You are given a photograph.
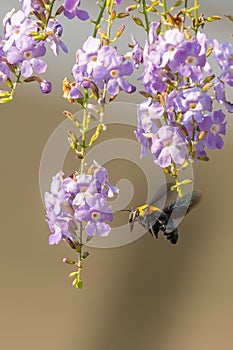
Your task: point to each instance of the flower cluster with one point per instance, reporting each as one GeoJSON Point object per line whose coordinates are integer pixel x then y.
{"type": "Point", "coordinates": [177, 121]}
{"type": "Point", "coordinates": [80, 198]}
{"type": "Point", "coordinates": [99, 65]}
{"type": "Point", "coordinates": [26, 33]}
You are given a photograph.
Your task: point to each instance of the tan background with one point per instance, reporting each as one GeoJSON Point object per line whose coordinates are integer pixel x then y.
{"type": "Point", "coordinates": [147, 295]}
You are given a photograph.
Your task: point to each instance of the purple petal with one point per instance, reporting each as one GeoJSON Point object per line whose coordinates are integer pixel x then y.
{"type": "Point", "coordinates": [38, 65]}
{"type": "Point", "coordinates": [91, 228]}
{"type": "Point", "coordinates": [26, 69]}
{"type": "Point", "coordinates": [82, 15]}
{"type": "Point", "coordinates": [103, 229]}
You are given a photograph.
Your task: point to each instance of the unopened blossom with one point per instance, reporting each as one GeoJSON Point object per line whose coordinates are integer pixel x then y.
{"type": "Point", "coordinates": [45, 86]}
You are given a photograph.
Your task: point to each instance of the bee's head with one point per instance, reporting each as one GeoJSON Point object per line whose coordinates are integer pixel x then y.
{"type": "Point", "coordinates": [133, 216]}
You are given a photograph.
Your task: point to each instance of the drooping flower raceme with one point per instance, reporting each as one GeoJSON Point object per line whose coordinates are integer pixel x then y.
{"type": "Point", "coordinates": [101, 65]}
{"type": "Point", "coordinates": [177, 121]}
{"type": "Point", "coordinates": [80, 198]}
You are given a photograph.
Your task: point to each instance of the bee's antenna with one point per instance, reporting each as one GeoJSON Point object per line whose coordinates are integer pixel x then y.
{"type": "Point", "coordinates": [128, 210]}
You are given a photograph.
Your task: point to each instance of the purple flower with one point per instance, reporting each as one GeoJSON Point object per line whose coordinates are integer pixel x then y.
{"type": "Point", "coordinates": [118, 2]}
{"type": "Point", "coordinates": [101, 65]}
{"type": "Point", "coordinates": [71, 10]}
{"type": "Point", "coordinates": [192, 103]}
{"type": "Point", "coordinates": [79, 198]}
{"type": "Point", "coordinates": [224, 56]}
{"type": "Point", "coordinates": [149, 120]}
{"type": "Point", "coordinates": [214, 126]}
{"type": "Point", "coordinates": [168, 146]}
{"type": "Point", "coordinates": [220, 95]}
{"type": "Point", "coordinates": [28, 4]}
{"type": "Point", "coordinates": [136, 54]}
{"type": "Point", "coordinates": [54, 32]}
{"type": "Point", "coordinates": [28, 52]}
{"type": "Point", "coordinates": [16, 25]}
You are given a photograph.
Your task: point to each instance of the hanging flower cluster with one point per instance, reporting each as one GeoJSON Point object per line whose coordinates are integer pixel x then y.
{"type": "Point", "coordinates": [26, 35]}
{"type": "Point", "coordinates": [183, 114]}
{"type": "Point", "coordinates": [79, 199]}
{"type": "Point", "coordinates": [179, 119]}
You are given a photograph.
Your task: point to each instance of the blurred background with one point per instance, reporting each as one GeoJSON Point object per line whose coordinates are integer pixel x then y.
{"type": "Point", "coordinates": [145, 295]}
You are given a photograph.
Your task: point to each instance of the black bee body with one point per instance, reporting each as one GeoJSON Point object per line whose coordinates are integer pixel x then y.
{"type": "Point", "coordinates": [155, 219]}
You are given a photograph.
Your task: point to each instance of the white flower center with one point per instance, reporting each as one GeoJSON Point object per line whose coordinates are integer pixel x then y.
{"type": "Point", "coordinates": [214, 128]}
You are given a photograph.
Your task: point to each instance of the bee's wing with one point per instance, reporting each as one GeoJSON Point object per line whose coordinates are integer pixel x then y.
{"type": "Point", "coordinates": [183, 205]}
{"type": "Point", "coordinates": [163, 195]}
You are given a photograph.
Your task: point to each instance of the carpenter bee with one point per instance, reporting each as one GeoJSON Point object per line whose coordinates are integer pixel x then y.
{"type": "Point", "coordinates": [155, 219]}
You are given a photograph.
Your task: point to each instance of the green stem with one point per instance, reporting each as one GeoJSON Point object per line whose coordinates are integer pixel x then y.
{"type": "Point", "coordinates": [84, 130]}
{"type": "Point", "coordinates": [146, 15]}
{"type": "Point", "coordinates": [196, 16]}
{"type": "Point", "coordinates": [50, 11]}
{"type": "Point", "coordinates": [185, 8]}
{"type": "Point", "coordinates": [99, 18]}
{"type": "Point", "coordinates": [165, 13]}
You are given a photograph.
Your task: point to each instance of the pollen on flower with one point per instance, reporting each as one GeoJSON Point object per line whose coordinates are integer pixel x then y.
{"type": "Point", "coordinates": [114, 73]}
{"type": "Point", "coordinates": [28, 54]}
{"type": "Point", "coordinates": [192, 105]}
{"type": "Point", "coordinates": [190, 60]}
{"type": "Point", "coordinates": [214, 128]}
{"type": "Point", "coordinates": [95, 215]}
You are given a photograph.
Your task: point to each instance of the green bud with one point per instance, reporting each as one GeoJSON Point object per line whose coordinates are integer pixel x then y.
{"type": "Point", "coordinates": [178, 3]}
{"type": "Point", "coordinates": [186, 182]}
{"type": "Point", "coordinates": [122, 15]}
{"type": "Point", "coordinates": [132, 7]}
{"type": "Point", "coordinates": [85, 255]}
{"type": "Point", "coordinates": [113, 15]}
{"type": "Point", "coordinates": [59, 10]}
{"type": "Point", "coordinates": [138, 21]}
{"type": "Point", "coordinates": [230, 17]}
{"type": "Point", "coordinates": [73, 274]}
{"type": "Point", "coordinates": [213, 18]}
{"type": "Point", "coordinates": [120, 31]}
{"type": "Point", "coordinates": [68, 261]}
{"type": "Point", "coordinates": [6, 99]}
{"type": "Point", "coordinates": [204, 158]}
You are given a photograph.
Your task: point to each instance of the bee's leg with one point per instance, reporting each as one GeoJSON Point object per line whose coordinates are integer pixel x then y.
{"type": "Point", "coordinates": [172, 236]}
{"type": "Point", "coordinates": [153, 231]}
